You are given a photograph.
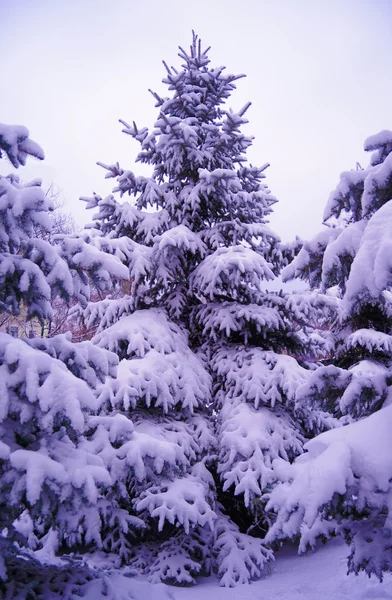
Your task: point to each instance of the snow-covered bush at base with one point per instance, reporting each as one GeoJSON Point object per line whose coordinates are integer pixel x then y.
{"type": "Point", "coordinates": [345, 478]}
{"type": "Point", "coordinates": [71, 577]}
{"type": "Point", "coordinates": [179, 560]}
{"type": "Point", "coordinates": [236, 557]}
{"type": "Point", "coordinates": [239, 557]}
{"type": "Point", "coordinates": [184, 556]}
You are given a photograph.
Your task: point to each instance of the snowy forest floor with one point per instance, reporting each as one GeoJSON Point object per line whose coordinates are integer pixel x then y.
{"type": "Point", "coordinates": [317, 576]}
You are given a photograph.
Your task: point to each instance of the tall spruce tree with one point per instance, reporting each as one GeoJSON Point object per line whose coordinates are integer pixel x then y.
{"type": "Point", "coordinates": [205, 373]}
{"type": "Point", "coordinates": [344, 485]}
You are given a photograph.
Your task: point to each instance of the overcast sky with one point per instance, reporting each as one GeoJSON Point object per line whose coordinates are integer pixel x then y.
{"type": "Point", "coordinates": [318, 72]}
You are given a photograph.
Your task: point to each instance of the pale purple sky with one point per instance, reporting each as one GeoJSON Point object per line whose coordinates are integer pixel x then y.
{"type": "Point", "coordinates": [319, 77]}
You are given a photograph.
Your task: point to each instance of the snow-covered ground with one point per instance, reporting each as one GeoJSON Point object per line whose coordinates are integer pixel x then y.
{"type": "Point", "coordinates": [317, 576]}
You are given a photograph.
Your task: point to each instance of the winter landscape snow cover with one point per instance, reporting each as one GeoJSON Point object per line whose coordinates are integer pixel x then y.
{"type": "Point", "coordinates": [318, 576]}
{"type": "Point", "coordinates": [192, 424]}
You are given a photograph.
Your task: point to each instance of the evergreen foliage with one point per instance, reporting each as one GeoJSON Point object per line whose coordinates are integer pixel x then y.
{"type": "Point", "coordinates": [204, 375]}
{"type": "Point", "coordinates": [351, 256]}
{"type": "Point", "coordinates": [51, 481]}
{"type": "Point", "coordinates": [343, 485]}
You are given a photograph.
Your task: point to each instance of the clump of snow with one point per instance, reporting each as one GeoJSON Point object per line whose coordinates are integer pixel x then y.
{"type": "Point", "coordinates": [180, 502]}
{"type": "Point", "coordinates": [17, 145]}
{"type": "Point", "coordinates": [381, 144]}
{"type": "Point", "coordinates": [259, 377]}
{"type": "Point", "coordinates": [371, 271]}
{"type": "Point", "coordinates": [158, 367]}
{"type": "Point", "coordinates": [223, 271]}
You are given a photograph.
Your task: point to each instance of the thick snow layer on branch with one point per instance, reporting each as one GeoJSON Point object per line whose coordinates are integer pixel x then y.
{"type": "Point", "coordinates": [307, 264]}
{"type": "Point", "coordinates": [82, 256]}
{"type": "Point", "coordinates": [381, 143]}
{"type": "Point", "coordinates": [371, 271]}
{"type": "Point", "coordinates": [126, 220]}
{"type": "Point", "coordinates": [20, 277]}
{"type": "Point", "coordinates": [144, 330]}
{"type": "Point", "coordinates": [30, 378]}
{"type": "Point", "coordinates": [152, 447]}
{"type": "Point", "coordinates": [313, 308]}
{"type": "Point", "coordinates": [224, 318]}
{"type": "Point", "coordinates": [250, 441]}
{"type": "Point", "coordinates": [161, 380]}
{"type": "Point", "coordinates": [16, 143]}
{"type": "Point", "coordinates": [334, 458]}
{"type": "Point", "coordinates": [227, 269]}
{"type": "Point", "coordinates": [340, 252]}
{"type": "Point", "coordinates": [258, 377]}
{"type": "Point", "coordinates": [180, 237]}
{"type": "Point", "coordinates": [38, 467]}
{"type": "Point", "coordinates": [158, 367]}
{"type": "Point", "coordinates": [182, 501]}
{"type": "Point", "coordinates": [367, 443]}
{"type": "Point", "coordinates": [22, 206]}
{"type": "Point", "coordinates": [149, 445]}
{"type": "Point", "coordinates": [357, 391]}
{"type": "Point", "coordinates": [377, 189]}
{"type": "Point", "coordinates": [84, 359]}
{"type": "Point", "coordinates": [346, 198]}
{"type": "Point", "coordinates": [373, 142]}
{"type": "Point", "coordinates": [371, 340]}
{"type": "Point", "coordinates": [137, 257]}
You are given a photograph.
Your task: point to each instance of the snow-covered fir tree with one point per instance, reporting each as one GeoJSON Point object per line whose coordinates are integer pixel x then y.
{"type": "Point", "coordinates": [349, 257]}
{"type": "Point", "coordinates": [344, 483]}
{"type": "Point", "coordinates": [54, 489]}
{"type": "Point", "coordinates": [205, 373]}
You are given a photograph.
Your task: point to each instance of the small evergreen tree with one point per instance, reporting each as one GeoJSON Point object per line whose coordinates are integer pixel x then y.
{"type": "Point", "coordinates": [345, 485]}
{"type": "Point", "coordinates": [203, 345]}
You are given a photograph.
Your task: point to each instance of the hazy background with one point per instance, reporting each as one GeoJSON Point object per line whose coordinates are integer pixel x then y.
{"type": "Point", "coordinates": [318, 74]}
